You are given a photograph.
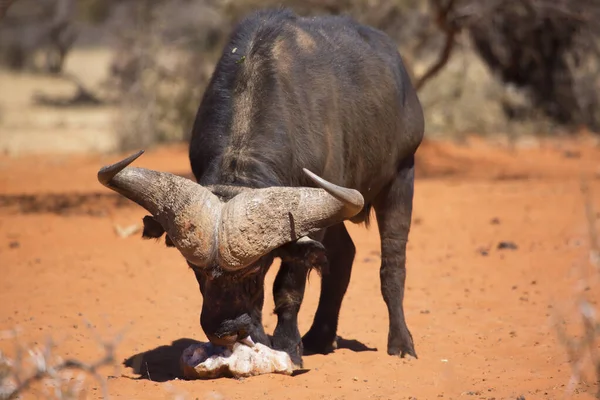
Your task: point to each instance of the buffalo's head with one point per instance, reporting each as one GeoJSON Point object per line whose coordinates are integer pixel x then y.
{"type": "Point", "coordinates": [230, 241]}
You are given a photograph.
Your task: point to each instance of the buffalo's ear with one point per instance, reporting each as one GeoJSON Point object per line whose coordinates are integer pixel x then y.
{"type": "Point", "coordinates": [152, 228]}
{"type": "Point", "coordinates": [168, 241]}
{"type": "Point", "coordinates": [306, 251]}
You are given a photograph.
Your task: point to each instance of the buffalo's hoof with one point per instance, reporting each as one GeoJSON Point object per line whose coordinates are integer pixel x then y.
{"type": "Point", "coordinates": [318, 344]}
{"type": "Point", "coordinates": [296, 357]}
{"type": "Point", "coordinates": [402, 346]}
{"type": "Point", "coordinates": [293, 350]}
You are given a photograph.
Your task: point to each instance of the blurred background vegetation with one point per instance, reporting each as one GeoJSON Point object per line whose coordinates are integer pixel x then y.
{"type": "Point", "coordinates": [508, 67]}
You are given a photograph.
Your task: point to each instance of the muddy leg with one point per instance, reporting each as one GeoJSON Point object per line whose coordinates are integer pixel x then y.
{"type": "Point", "coordinates": [393, 209]}
{"type": "Point", "coordinates": [340, 254]}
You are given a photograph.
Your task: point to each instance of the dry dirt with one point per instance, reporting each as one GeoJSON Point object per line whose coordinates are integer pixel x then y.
{"type": "Point", "coordinates": [481, 317]}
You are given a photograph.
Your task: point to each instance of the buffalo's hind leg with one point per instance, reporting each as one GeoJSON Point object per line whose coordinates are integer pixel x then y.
{"type": "Point", "coordinates": [340, 253]}
{"type": "Point", "coordinates": [393, 209]}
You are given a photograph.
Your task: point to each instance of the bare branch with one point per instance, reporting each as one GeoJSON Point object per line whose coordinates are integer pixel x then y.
{"type": "Point", "coordinates": [451, 29]}
{"type": "Point", "coordinates": [91, 369]}
{"type": "Point", "coordinates": [590, 217]}
{"type": "Point", "coordinates": [584, 349]}
{"type": "Point", "coordinates": [443, 59]}
{"type": "Point", "coordinates": [4, 6]}
{"type": "Point", "coordinates": [44, 369]}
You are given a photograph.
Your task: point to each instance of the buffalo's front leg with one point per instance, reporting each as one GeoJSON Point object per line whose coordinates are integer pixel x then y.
{"type": "Point", "coordinates": [288, 292]}
{"type": "Point", "coordinates": [393, 209]}
{"type": "Point", "coordinates": [321, 337]}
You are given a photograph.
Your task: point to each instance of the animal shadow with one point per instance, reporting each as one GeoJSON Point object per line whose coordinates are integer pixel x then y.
{"type": "Point", "coordinates": [160, 364]}
{"type": "Point", "coordinates": [94, 204]}
{"type": "Point", "coordinates": [347, 344]}
{"type": "Point", "coordinates": [353, 345]}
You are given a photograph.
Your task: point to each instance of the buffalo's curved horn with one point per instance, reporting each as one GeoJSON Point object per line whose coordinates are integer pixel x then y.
{"type": "Point", "coordinates": [351, 199]}
{"type": "Point", "coordinates": [258, 221]}
{"type": "Point", "coordinates": [187, 211]}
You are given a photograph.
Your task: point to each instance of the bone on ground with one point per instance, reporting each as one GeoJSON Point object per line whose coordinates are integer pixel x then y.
{"type": "Point", "coordinates": [206, 361]}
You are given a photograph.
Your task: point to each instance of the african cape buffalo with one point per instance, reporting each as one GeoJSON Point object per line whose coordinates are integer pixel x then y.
{"type": "Point", "coordinates": [307, 122]}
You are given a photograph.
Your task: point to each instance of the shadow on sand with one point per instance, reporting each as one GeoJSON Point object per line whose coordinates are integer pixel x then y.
{"type": "Point", "coordinates": [353, 345]}
{"type": "Point", "coordinates": [161, 364]}
{"type": "Point", "coordinates": [89, 203]}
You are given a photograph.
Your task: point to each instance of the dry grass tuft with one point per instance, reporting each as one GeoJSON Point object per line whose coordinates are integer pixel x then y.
{"type": "Point", "coordinates": [60, 378]}
{"type": "Point", "coordinates": [583, 351]}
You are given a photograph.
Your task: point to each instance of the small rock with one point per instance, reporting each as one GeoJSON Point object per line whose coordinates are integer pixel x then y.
{"type": "Point", "coordinates": [14, 244]}
{"type": "Point", "coordinates": [212, 395]}
{"type": "Point", "coordinates": [495, 221]}
{"type": "Point", "coordinates": [507, 245]}
{"type": "Point", "coordinates": [571, 154]}
{"type": "Point", "coordinates": [425, 311]}
{"type": "Point", "coordinates": [484, 252]}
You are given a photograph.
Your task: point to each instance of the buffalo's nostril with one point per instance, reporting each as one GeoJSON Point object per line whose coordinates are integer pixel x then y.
{"type": "Point", "coordinates": [238, 326]}
{"type": "Point", "coordinates": [229, 331]}
{"type": "Point", "coordinates": [247, 341]}
{"type": "Point", "coordinates": [223, 340]}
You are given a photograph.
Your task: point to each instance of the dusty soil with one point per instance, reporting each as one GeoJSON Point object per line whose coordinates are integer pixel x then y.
{"type": "Point", "coordinates": [481, 316]}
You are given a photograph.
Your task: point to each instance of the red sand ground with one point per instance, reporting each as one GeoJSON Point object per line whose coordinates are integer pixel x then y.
{"type": "Point", "coordinates": [481, 320]}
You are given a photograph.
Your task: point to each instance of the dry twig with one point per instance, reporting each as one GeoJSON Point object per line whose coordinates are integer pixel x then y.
{"type": "Point", "coordinates": [585, 349]}
{"type": "Point", "coordinates": [4, 6]}
{"type": "Point", "coordinates": [14, 380]}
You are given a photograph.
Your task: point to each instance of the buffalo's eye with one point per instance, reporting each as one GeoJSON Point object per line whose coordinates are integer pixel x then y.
{"type": "Point", "coordinates": [199, 271]}
{"type": "Point", "coordinates": [248, 272]}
